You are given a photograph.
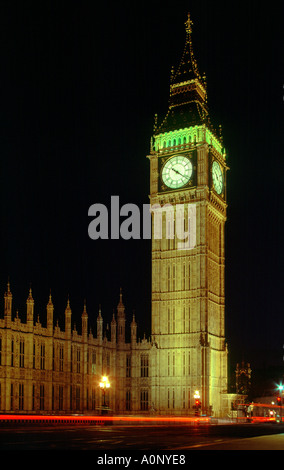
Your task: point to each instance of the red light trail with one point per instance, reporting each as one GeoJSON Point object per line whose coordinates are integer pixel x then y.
{"type": "Point", "coordinates": [97, 420]}
{"type": "Point", "coordinates": [59, 419]}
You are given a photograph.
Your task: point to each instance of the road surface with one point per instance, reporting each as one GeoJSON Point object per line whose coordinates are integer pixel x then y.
{"type": "Point", "coordinates": [130, 438]}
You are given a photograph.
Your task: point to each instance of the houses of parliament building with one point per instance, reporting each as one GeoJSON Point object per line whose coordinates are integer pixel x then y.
{"type": "Point", "coordinates": [49, 370]}
{"type": "Point", "coordinates": [44, 369]}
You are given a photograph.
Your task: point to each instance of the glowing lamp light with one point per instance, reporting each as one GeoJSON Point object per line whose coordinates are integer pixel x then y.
{"type": "Point", "coordinates": [104, 382]}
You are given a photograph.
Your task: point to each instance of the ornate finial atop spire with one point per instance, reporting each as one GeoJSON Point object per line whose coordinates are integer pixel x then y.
{"type": "Point", "coordinates": [120, 303]}
{"type": "Point", "coordinates": [8, 302]}
{"type": "Point", "coordinates": [188, 24]}
{"type": "Point", "coordinates": [50, 299]}
{"type": "Point", "coordinates": [100, 312]}
{"type": "Point", "coordinates": [68, 308]}
{"type": "Point", "coordinates": [85, 309]}
{"type": "Point", "coordinates": [49, 310]}
{"type": "Point", "coordinates": [30, 297]}
{"type": "Point", "coordinates": [133, 318]}
{"type": "Point", "coordinates": [8, 286]}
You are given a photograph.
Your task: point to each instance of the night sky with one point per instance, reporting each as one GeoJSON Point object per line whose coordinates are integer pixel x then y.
{"type": "Point", "coordinates": [79, 88]}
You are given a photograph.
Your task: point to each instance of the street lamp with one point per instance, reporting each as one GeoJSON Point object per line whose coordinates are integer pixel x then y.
{"type": "Point", "coordinates": [104, 384]}
{"type": "Point", "coordinates": [279, 400]}
{"type": "Point", "coordinates": [197, 401]}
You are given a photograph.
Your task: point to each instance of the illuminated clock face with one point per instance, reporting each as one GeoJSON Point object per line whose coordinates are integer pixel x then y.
{"type": "Point", "coordinates": [177, 171]}
{"type": "Point", "coordinates": [217, 176]}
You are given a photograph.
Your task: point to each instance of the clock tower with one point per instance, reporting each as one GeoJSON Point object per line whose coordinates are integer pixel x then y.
{"type": "Point", "coordinates": [188, 172]}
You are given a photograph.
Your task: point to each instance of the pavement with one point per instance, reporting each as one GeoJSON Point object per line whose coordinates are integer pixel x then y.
{"type": "Point", "coordinates": [268, 442]}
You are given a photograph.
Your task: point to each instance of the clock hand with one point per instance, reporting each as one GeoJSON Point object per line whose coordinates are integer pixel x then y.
{"type": "Point", "coordinates": [177, 172]}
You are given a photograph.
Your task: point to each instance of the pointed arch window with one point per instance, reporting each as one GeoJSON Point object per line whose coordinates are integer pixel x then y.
{"type": "Point", "coordinates": [22, 353]}
{"type": "Point", "coordinates": [169, 278]}
{"type": "Point", "coordinates": [12, 353]}
{"type": "Point", "coordinates": [144, 365]}
{"type": "Point", "coordinates": [128, 400]}
{"type": "Point", "coordinates": [144, 399]}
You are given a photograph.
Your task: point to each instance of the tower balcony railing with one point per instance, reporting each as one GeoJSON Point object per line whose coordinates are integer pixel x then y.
{"type": "Point", "coordinates": [173, 148]}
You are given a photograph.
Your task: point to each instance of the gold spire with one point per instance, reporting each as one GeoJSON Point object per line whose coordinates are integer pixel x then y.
{"type": "Point", "coordinates": [84, 309]}
{"type": "Point", "coordinates": [100, 311]}
{"type": "Point", "coordinates": [133, 319]}
{"type": "Point", "coordinates": [30, 297]}
{"type": "Point", "coordinates": [8, 287]}
{"type": "Point", "coordinates": [120, 303]}
{"type": "Point", "coordinates": [187, 69]}
{"type": "Point", "coordinates": [50, 299]}
{"type": "Point", "coordinates": [68, 308]}
{"type": "Point", "coordinates": [188, 24]}
{"type": "Point", "coordinates": [188, 96]}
